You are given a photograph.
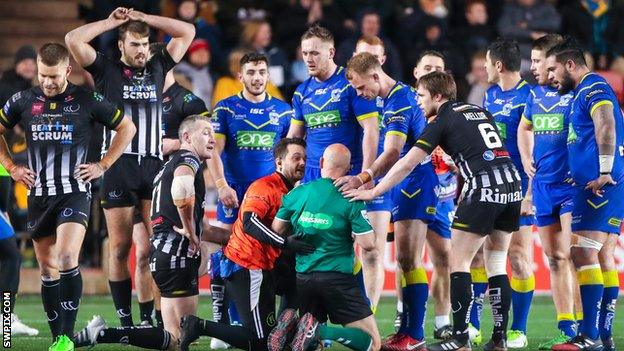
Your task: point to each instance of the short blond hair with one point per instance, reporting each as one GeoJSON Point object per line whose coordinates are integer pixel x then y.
{"type": "Point", "coordinates": [362, 63]}
{"type": "Point", "coordinates": [371, 40]}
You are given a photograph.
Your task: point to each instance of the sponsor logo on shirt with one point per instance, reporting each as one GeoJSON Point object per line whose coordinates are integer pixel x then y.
{"type": "Point", "coordinates": [62, 132]}
{"type": "Point", "coordinates": [315, 220]}
{"type": "Point", "coordinates": [502, 130]}
{"type": "Point", "coordinates": [255, 140]}
{"type": "Point", "coordinates": [548, 123]}
{"type": "Point", "coordinates": [323, 119]}
{"type": "Point", "coordinates": [140, 92]}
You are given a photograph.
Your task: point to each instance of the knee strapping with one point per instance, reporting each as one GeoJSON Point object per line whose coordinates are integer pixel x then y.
{"type": "Point", "coordinates": [587, 243]}
{"type": "Point", "coordinates": [495, 263]}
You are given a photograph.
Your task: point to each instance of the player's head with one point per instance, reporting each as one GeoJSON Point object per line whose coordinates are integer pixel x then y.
{"type": "Point", "coordinates": [290, 158]}
{"type": "Point", "coordinates": [364, 74]}
{"type": "Point", "coordinates": [502, 56]}
{"type": "Point", "coordinates": [317, 50]}
{"type": "Point", "coordinates": [53, 68]}
{"type": "Point", "coordinates": [563, 62]}
{"type": "Point", "coordinates": [429, 61]}
{"type": "Point", "coordinates": [373, 45]}
{"type": "Point", "coordinates": [134, 43]}
{"type": "Point", "coordinates": [336, 161]}
{"type": "Point", "coordinates": [196, 134]}
{"type": "Point", "coordinates": [254, 73]}
{"type": "Point", "coordinates": [538, 56]}
{"type": "Point", "coordinates": [433, 90]}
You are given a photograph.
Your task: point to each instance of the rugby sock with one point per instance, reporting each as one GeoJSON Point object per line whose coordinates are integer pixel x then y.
{"type": "Point", "coordinates": [592, 287]}
{"type": "Point", "coordinates": [159, 321]}
{"type": "Point", "coordinates": [579, 321]}
{"type": "Point", "coordinates": [70, 291]}
{"type": "Point", "coordinates": [146, 309]}
{"type": "Point", "coordinates": [122, 298]}
{"type": "Point", "coordinates": [609, 299]}
{"type": "Point", "coordinates": [217, 293]}
{"type": "Point", "coordinates": [145, 336]}
{"type": "Point", "coordinates": [50, 290]}
{"type": "Point", "coordinates": [521, 296]}
{"type": "Point", "coordinates": [441, 321]}
{"type": "Point", "coordinates": [415, 294]}
{"type": "Point", "coordinates": [479, 287]}
{"type": "Point", "coordinates": [353, 338]}
{"type": "Point", "coordinates": [237, 336]}
{"type": "Point", "coordinates": [359, 275]}
{"type": "Point", "coordinates": [565, 323]}
{"type": "Point", "coordinates": [461, 300]}
{"type": "Point", "coordinates": [500, 301]}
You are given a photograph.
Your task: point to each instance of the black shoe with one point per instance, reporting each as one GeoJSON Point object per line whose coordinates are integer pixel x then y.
{"type": "Point", "coordinates": [580, 343]}
{"type": "Point", "coordinates": [307, 336]}
{"type": "Point", "coordinates": [284, 331]}
{"type": "Point", "coordinates": [397, 321]}
{"type": "Point", "coordinates": [189, 331]}
{"type": "Point", "coordinates": [451, 344]}
{"type": "Point", "coordinates": [495, 345]}
{"type": "Point", "coordinates": [608, 344]}
{"type": "Point", "coordinates": [443, 333]}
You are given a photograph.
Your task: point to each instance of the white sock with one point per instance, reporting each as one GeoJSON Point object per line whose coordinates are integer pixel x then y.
{"type": "Point", "coordinates": [441, 321]}
{"type": "Point", "coordinates": [399, 306]}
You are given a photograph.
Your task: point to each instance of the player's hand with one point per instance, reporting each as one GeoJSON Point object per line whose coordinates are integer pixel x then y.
{"type": "Point", "coordinates": [347, 183]}
{"type": "Point", "coordinates": [23, 175]}
{"type": "Point", "coordinates": [526, 207]}
{"type": "Point", "coordinates": [529, 168]}
{"type": "Point", "coordinates": [228, 196]}
{"type": "Point", "coordinates": [89, 171]}
{"type": "Point", "coordinates": [194, 244]}
{"type": "Point", "coordinates": [596, 185]}
{"type": "Point", "coordinates": [298, 246]}
{"type": "Point", "coordinates": [135, 15]}
{"type": "Point", "coordinates": [119, 15]}
{"type": "Point", "coordinates": [360, 194]}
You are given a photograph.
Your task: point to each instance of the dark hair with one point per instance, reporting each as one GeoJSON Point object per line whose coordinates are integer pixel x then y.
{"type": "Point", "coordinates": [281, 149]}
{"type": "Point", "coordinates": [546, 42]}
{"type": "Point", "coordinates": [139, 27]}
{"type": "Point", "coordinates": [439, 83]}
{"type": "Point", "coordinates": [568, 49]}
{"type": "Point", "coordinates": [51, 54]}
{"type": "Point", "coordinates": [316, 31]}
{"type": "Point", "coordinates": [253, 57]}
{"type": "Point", "coordinates": [507, 52]}
{"type": "Point", "coordinates": [188, 124]}
{"type": "Point", "coordinates": [429, 53]}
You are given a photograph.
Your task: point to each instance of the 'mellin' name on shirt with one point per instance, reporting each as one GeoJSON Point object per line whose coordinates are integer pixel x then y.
{"type": "Point", "coordinates": [475, 116]}
{"type": "Point", "coordinates": [140, 92]}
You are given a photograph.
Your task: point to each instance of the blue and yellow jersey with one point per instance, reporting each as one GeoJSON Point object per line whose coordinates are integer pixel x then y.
{"type": "Point", "coordinates": [507, 108]}
{"type": "Point", "coordinates": [547, 112]}
{"type": "Point", "coordinates": [592, 92]}
{"type": "Point", "coordinates": [403, 117]}
{"type": "Point", "coordinates": [331, 111]}
{"type": "Point", "coordinates": [251, 130]}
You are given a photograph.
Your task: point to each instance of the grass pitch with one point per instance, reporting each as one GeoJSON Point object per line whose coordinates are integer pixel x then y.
{"type": "Point", "coordinates": [542, 323]}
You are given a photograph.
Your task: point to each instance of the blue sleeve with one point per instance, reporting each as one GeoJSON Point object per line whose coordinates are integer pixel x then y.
{"type": "Point", "coordinates": [362, 108]}
{"type": "Point", "coordinates": [396, 119]}
{"type": "Point", "coordinates": [600, 95]}
{"type": "Point", "coordinates": [297, 117]}
{"type": "Point", "coordinates": [219, 119]}
{"type": "Point", "coordinates": [527, 114]}
{"type": "Point", "coordinates": [285, 121]}
{"type": "Point", "coordinates": [11, 113]}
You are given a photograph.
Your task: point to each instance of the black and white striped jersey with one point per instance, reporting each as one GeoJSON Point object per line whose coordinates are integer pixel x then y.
{"type": "Point", "coordinates": [165, 213]}
{"type": "Point", "coordinates": [139, 91]}
{"type": "Point", "coordinates": [58, 130]}
{"type": "Point", "coordinates": [469, 134]}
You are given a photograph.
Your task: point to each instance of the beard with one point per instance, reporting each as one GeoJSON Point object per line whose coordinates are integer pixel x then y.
{"type": "Point", "coordinates": [566, 84]}
{"type": "Point", "coordinates": [253, 91]}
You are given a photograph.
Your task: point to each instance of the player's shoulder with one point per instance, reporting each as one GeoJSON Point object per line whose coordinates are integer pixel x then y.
{"type": "Point", "coordinates": [278, 104]}
{"type": "Point", "coordinates": [188, 158]}
{"type": "Point", "coordinates": [592, 84]}
{"type": "Point", "coordinates": [524, 88]}
{"type": "Point", "coordinates": [227, 104]}
{"type": "Point", "coordinates": [401, 97]}
{"type": "Point", "coordinates": [493, 90]}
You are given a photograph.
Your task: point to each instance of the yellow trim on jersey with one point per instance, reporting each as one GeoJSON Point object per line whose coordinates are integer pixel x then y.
{"type": "Point", "coordinates": [116, 117]}
{"type": "Point", "coordinates": [521, 84]}
{"type": "Point", "coordinates": [298, 93]}
{"type": "Point", "coordinates": [397, 88]}
{"type": "Point", "coordinates": [318, 108]}
{"type": "Point", "coordinates": [411, 196]}
{"type": "Point", "coordinates": [4, 117]}
{"type": "Point", "coordinates": [296, 121]}
{"type": "Point", "coordinates": [222, 108]}
{"type": "Point", "coordinates": [420, 141]}
{"type": "Point", "coordinates": [397, 111]}
{"type": "Point", "coordinates": [395, 132]}
{"type": "Point", "coordinates": [588, 87]}
{"type": "Point", "coordinates": [285, 113]}
{"type": "Point", "coordinates": [598, 104]}
{"type": "Point", "coordinates": [367, 116]}
{"type": "Point", "coordinates": [205, 113]}
{"type": "Point", "coordinates": [526, 120]}
{"type": "Point", "coordinates": [585, 76]}
{"type": "Point", "coordinates": [219, 135]}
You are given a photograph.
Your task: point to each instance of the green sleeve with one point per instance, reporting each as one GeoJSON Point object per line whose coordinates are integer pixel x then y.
{"type": "Point", "coordinates": [286, 211]}
{"type": "Point", "coordinates": [359, 220]}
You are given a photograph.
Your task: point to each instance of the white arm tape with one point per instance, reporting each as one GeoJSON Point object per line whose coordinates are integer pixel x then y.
{"type": "Point", "coordinates": [182, 187]}
{"type": "Point", "coordinates": [606, 163]}
{"type": "Point", "coordinates": [587, 243]}
{"type": "Point", "coordinates": [496, 263]}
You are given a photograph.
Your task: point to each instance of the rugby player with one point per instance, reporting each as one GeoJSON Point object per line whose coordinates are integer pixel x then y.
{"type": "Point", "coordinates": [177, 257]}
{"type": "Point", "coordinates": [59, 118]}
{"type": "Point", "coordinates": [136, 83]}
{"type": "Point", "coordinates": [506, 101]}
{"type": "Point", "coordinates": [249, 263]}
{"type": "Point", "coordinates": [322, 217]}
{"type": "Point", "coordinates": [413, 201]}
{"type": "Point", "coordinates": [596, 160]}
{"type": "Point", "coordinates": [489, 210]}
{"type": "Point", "coordinates": [542, 141]}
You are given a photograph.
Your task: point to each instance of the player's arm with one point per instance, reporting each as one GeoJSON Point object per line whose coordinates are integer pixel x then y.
{"type": "Point", "coordinates": [170, 145]}
{"type": "Point", "coordinates": [77, 40]}
{"type": "Point", "coordinates": [361, 229]}
{"type": "Point", "coordinates": [181, 33]}
{"type": "Point", "coordinates": [227, 195]}
{"type": "Point", "coordinates": [525, 145]}
{"type": "Point", "coordinates": [9, 117]}
{"type": "Point", "coordinates": [604, 130]}
{"type": "Point", "coordinates": [215, 234]}
{"type": "Point", "coordinates": [297, 123]}
{"type": "Point", "coordinates": [183, 195]}
{"type": "Point", "coordinates": [370, 140]}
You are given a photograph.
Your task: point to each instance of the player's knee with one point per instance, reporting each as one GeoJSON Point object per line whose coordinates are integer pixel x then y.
{"type": "Point", "coordinates": [558, 260]}
{"type": "Point", "coordinates": [67, 260]}
{"type": "Point", "coordinates": [405, 261]}
{"type": "Point", "coordinates": [582, 256]}
{"type": "Point", "coordinates": [49, 270]}
{"type": "Point", "coordinates": [120, 252]}
{"type": "Point", "coordinates": [376, 346]}
{"type": "Point", "coordinates": [371, 258]}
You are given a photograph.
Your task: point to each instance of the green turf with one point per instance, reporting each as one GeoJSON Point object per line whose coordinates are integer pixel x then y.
{"type": "Point", "coordinates": [541, 321]}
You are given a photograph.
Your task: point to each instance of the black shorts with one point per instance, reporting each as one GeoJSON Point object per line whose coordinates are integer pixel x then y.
{"type": "Point", "coordinates": [174, 282]}
{"type": "Point", "coordinates": [129, 180]}
{"type": "Point", "coordinates": [46, 213]}
{"type": "Point", "coordinates": [253, 294]}
{"type": "Point", "coordinates": [332, 294]}
{"type": "Point", "coordinates": [490, 208]}
{"type": "Point", "coordinates": [5, 193]}
{"type": "Point", "coordinates": [284, 274]}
